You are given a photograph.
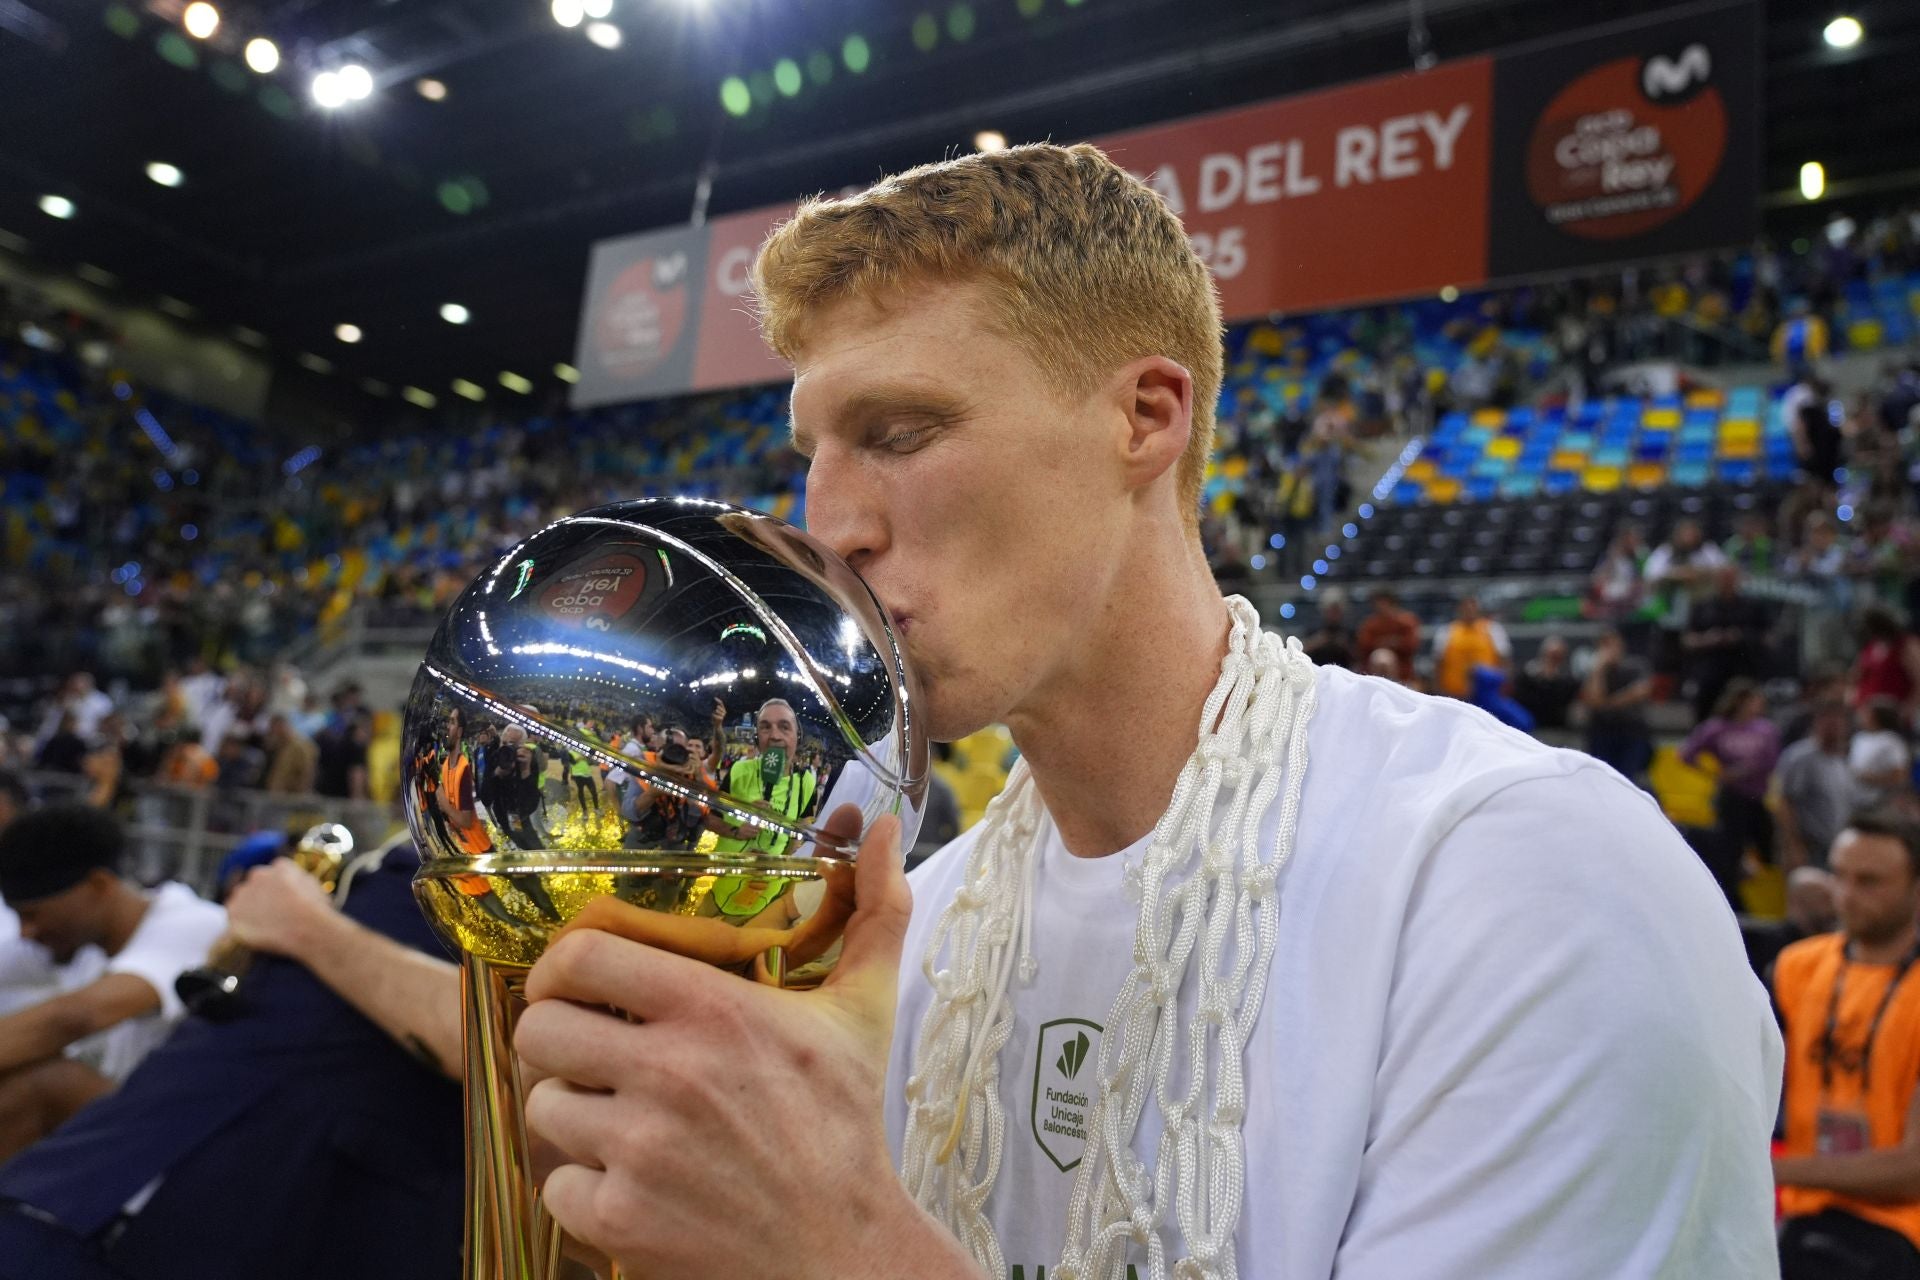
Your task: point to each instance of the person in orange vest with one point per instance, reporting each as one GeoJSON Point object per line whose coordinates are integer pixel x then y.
{"type": "Point", "coordinates": [456, 796]}
{"type": "Point", "coordinates": [1470, 640]}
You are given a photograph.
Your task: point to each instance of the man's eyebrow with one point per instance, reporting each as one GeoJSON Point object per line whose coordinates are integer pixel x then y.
{"type": "Point", "coordinates": [887, 398]}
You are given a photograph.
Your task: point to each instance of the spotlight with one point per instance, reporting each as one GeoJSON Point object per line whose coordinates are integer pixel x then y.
{"type": "Point", "coordinates": [514, 382]}
{"type": "Point", "coordinates": [356, 82]}
{"type": "Point", "coordinates": [431, 90]}
{"type": "Point", "coordinates": [454, 313]}
{"type": "Point", "coordinates": [1813, 181]}
{"type": "Point", "coordinates": [566, 373]}
{"type": "Point", "coordinates": [989, 140]}
{"type": "Point", "coordinates": [604, 34]}
{"type": "Point", "coordinates": [461, 387]}
{"type": "Point", "coordinates": [569, 13]}
{"type": "Point", "coordinates": [414, 395]}
{"type": "Point", "coordinates": [597, 8]}
{"type": "Point", "coordinates": [165, 174]}
{"type": "Point", "coordinates": [1449, 294]}
{"type": "Point", "coordinates": [348, 333]}
{"type": "Point", "coordinates": [56, 207]}
{"type": "Point", "coordinates": [316, 363]}
{"type": "Point", "coordinates": [1843, 32]}
{"type": "Point", "coordinates": [263, 55]}
{"type": "Point", "coordinates": [200, 19]}
{"type": "Point", "coordinates": [327, 90]}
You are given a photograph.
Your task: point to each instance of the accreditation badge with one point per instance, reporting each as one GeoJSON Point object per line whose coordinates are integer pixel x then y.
{"type": "Point", "coordinates": [1841, 1133]}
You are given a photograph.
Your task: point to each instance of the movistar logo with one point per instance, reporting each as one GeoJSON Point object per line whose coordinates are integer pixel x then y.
{"type": "Point", "coordinates": [1665, 77]}
{"type": "Point", "coordinates": [1072, 1054]}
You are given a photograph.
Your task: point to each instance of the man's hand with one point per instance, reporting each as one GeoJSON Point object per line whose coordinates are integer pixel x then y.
{"type": "Point", "coordinates": [279, 910]}
{"type": "Point", "coordinates": [718, 1127]}
{"type": "Point", "coordinates": [719, 713]}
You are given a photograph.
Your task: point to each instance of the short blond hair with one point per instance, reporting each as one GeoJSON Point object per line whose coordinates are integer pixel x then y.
{"type": "Point", "coordinates": [1085, 266]}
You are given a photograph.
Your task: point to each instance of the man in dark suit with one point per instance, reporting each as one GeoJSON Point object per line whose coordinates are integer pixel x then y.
{"type": "Point", "coordinates": [316, 1135]}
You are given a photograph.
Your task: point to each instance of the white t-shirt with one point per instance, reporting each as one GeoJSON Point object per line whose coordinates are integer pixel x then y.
{"type": "Point", "coordinates": [28, 975]}
{"type": "Point", "coordinates": [1878, 751]}
{"type": "Point", "coordinates": [175, 935]}
{"type": "Point", "coordinates": [1509, 1033]}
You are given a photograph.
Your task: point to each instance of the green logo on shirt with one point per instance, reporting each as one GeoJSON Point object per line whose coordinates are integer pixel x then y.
{"type": "Point", "coordinates": [1059, 1115]}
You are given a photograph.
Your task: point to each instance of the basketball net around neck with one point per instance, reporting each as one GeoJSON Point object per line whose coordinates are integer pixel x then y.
{"type": "Point", "coordinates": [1209, 913]}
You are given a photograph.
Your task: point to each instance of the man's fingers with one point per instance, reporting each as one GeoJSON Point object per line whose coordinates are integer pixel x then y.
{"type": "Point", "coordinates": [585, 1046]}
{"type": "Point", "coordinates": [594, 967]}
{"type": "Point", "coordinates": [707, 939]}
{"type": "Point", "coordinates": [870, 956]}
{"type": "Point", "coordinates": [569, 1195]}
{"type": "Point", "coordinates": [578, 1121]}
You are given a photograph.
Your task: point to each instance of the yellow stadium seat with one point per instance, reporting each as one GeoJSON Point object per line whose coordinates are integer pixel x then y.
{"type": "Point", "coordinates": [1660, 419]}
{"type": "Point", "coordinates": [1495, 418]}
{"type": "Point", "coordinates": [1567, 460]}
{"type": "Point", "coordinates": [1443, 489]}
{"type": "Point", "coordinates": [1506, 448]}
{"type": "Point", "coordinates": [1601, 479]}
{"type": "Point", "coordinates": [1685, 792]}
{"type": "Point", "coordinates": [1744, 430]}
{"type": "Point", "coordinates": [1866, 335]}
{"type": "Point", "coordinates": [1421, 471]}
{"type": "Point", "coordinates": [1740, 450]}
{"type": "Point", "coordinates": [1647, 475]}
{"type": "Point", "coordinates": [1706, 398]}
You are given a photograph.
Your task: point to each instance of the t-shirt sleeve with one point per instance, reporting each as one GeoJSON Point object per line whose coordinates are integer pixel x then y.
{"type": "Point", "coordinates": [1579, 1073]}
{"type": "Point", "coordinates": [176, 935]}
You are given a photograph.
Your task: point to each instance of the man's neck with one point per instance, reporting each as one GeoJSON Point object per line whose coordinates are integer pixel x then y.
{"type": "Point", "coordinates": [129, 908]}
{"type": "Point", "coordinates": [1107, 734]}
{"type": "Point", "coordinates": [1891, 949]}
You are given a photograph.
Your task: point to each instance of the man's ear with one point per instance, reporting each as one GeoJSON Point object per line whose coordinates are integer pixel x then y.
{"type": "Point", "coordinates": [1155, 397]}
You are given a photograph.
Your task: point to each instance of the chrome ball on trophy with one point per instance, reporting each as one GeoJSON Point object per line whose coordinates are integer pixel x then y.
{"type": "Point", "coordinates": [657, 702]}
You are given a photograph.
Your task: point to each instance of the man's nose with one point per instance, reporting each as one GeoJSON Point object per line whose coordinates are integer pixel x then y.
{"type": "Point", "coordinates": [843, 506]}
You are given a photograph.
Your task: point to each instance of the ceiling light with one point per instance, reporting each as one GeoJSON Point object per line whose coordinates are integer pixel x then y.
{"type": "Point", "coordinates": [431, 90]}
{"type": "Point", "coordinates": [414, 395]}
{"type": "Point", "coordinates": [165, 174]}
{"type": "Point", "coordinates": [569, 13]}
{"type": "Point", "coordinates": [472, 391]}
{"type": "Point", "coordinates": [327, 90]}
{"type": "Point", "coordinates": [176, 308]}
{"type": "Point", "coordinates": [252, 337]}
{"type": "Point", "coordinates": [1844, 32]}
{"type": "Point", "coordinates": [56, 207]}
{"type": "Point", "coordinates": [1813, 180]}
{"type": "Point", "coordinates": [356, 82]}
{"type": "Point", "coordinates": [989, 140]}
{"type": "Point", "coordinates": [566, 373]}
{"type": "Point", "coordinates": [348, 333]}
{"type": "Point", "coordinates": [96, 275]}
{"type": "Point", "coordinates": [604, 34]}
{"type": "Point", "coordinates": [454, 313]}
{"type": "Point", "coordinates": [200, 19]}
{"type": "Point", "coordinates": [597, 8]}
{"type": "Point", "coordinates": [514, 382]}
{"type": "Point", "coordinates": [310, 361]}
{"type": "Point", "coordinates": [263, 55]}
{"type": "Point", "coordinates": [374, 387]}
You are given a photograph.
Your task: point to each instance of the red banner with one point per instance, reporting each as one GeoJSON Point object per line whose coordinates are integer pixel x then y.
{"type": "Point", "coordinates": [1633, 142]}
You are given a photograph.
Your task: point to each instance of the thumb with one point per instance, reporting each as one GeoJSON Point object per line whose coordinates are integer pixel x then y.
{"type": "Point", "coordinates": [869, 967]}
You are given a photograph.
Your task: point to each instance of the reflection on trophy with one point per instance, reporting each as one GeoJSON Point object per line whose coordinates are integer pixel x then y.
{"type": "Point", "coordinates": [215, 989]}
{"type": "Point", "coordinates": [637, 716]}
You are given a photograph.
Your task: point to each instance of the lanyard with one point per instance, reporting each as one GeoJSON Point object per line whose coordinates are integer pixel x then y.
{"type": "Point", "coordinates": [1828, 1048]}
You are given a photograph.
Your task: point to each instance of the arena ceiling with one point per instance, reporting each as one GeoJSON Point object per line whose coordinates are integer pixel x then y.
{"type": "Point", "coordinates": [292, 219]}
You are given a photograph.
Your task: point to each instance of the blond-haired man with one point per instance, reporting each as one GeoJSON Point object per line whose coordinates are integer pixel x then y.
{"type": "Point", "coordinates": [1313, 975]}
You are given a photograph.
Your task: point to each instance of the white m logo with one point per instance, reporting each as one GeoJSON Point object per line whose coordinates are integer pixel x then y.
{"type": "Point", "coordinates": [1665, 77]}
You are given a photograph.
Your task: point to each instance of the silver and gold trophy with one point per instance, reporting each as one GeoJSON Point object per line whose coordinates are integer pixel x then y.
{"type": "Point", "coordinates": [656, 702]}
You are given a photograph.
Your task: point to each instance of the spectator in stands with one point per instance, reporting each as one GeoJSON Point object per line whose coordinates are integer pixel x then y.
{"type": "Point", "coordinates": [1815, 429]}
{"type": "Point", "coordinates": [1849, 1169]}
{"type": "Point", "coordinates": [1547, 687]}
{"type": "Point", "coordinates": [1615, 590]}
{"type": "Point", "coordinates": [1385, 663]}
{"type": "Point", "coordinates": [315, 1137]}
{"type": "Point", "coordinates": [1471, 640]}
{"type": "Point", "coordinates": [1888, 665]}
{"type": "Point", "coordinates": [1388, 626]}
{"type": "Point", "coordinates": [1885, 559]}
{"type": "Point", "coordinates": [771, 778]}
{"type": "Point", "coordinates": [341, 768]}
{"type": "Point", "coordinates": [1747, 746]}
{"type": "Point", "coordinates": [77, 698]}
{"type": "Point", "coordinates": [1725, 639]}
{"type": "Point", "coordinates": [1820, 564]}
{"type": "Point", "coordinates": [1751, 548]}
{"type": "Point", "coordinates": [293, 761]}
{"type": "Point", "coordinates": [1678, 573]}
{"type": "Point", "coordinates": [60, 872]}
{"type": "Point", "coordinates": [64, 748]}
{"type": "Point", "coordinates": [1615, 695]}
{"type": "Point", "coordinates": [1814, 789]}
{"type": "Point", "coordinates": [511, 788]}
{"type": "Point", "coordinates": [1809, 912]}
{"type": "Point", "coordinates": [1331, 645]}
{"type": "Point", "coordinates": [1880, 758]}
